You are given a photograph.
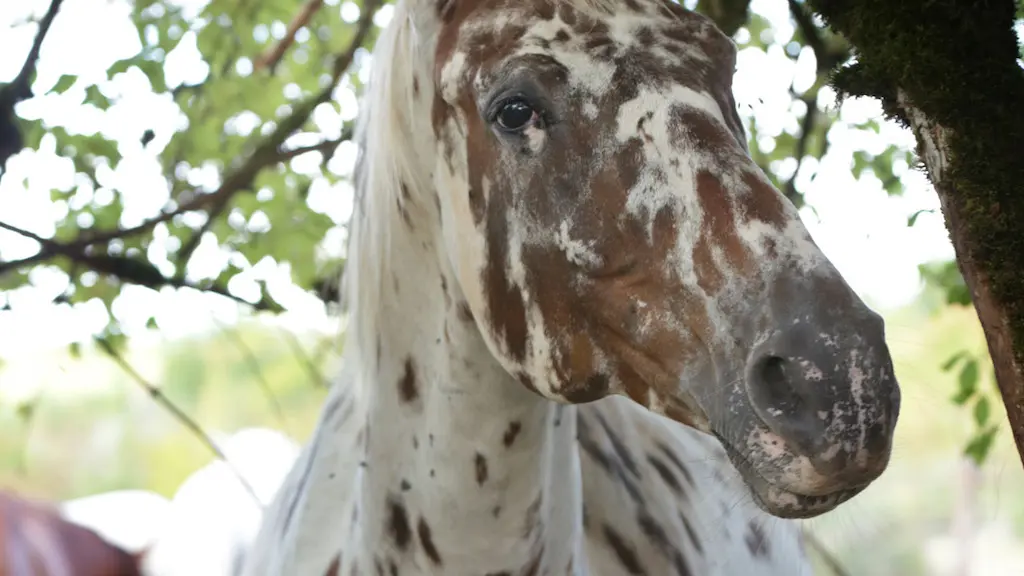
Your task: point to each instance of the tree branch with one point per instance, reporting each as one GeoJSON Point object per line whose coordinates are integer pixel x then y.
{"type": "Point", "coordinates": [20, 89]}
{"type": "Point", "coordinates": [827, 57]}
{"type": "Point", "coordinates": [270, 148]}
{"type": "Point", "coordinates": [21, 85]}
{"type": "Point", "coordinates": [126, 269]}
{"type": "Point", "coordinates": [270, 59]}
{"type": "Point", "coordinates": [177, 413]}
{"type": "Point", "coordinates": [729, 15]}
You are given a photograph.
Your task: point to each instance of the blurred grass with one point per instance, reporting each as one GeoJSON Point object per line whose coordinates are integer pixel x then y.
{"type": "Point", "coordinates": [90, 428]}
{"type": "Point", "coordinates": [93, 429]}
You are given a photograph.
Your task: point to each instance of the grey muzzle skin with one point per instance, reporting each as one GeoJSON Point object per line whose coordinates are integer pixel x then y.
{"type": "Point", "coordinates": [809, 419]}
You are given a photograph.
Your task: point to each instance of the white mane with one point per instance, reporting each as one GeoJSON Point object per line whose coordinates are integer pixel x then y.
{"type": "Point", "coordinates": [386, 134]}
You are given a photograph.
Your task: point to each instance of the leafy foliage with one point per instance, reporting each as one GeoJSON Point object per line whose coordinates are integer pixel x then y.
{"type": "Point", "coordinates": [971, 394]}
{"type": "Point", "coordinates": [232, 181]}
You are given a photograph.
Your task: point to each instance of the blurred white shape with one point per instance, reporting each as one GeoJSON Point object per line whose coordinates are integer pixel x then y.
{"type": "Point", "coordinates": [130, 519]}
{"type": "Point", "coordinates": [213, 518]}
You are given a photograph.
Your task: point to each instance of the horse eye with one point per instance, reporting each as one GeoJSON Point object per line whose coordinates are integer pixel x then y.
{"type": "Point", "coordinates": [516, 115]}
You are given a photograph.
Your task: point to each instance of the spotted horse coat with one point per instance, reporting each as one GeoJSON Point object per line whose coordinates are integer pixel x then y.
{"type": "Point", "coordinates": [586, 335]}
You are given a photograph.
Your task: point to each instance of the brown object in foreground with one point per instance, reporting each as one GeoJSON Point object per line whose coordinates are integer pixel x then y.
{"type": "Point", "coordinates": [36, 541]}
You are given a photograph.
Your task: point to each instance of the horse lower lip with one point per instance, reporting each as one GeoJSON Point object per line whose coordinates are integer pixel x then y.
{"type": "Point", "coordinates": [761, 489]}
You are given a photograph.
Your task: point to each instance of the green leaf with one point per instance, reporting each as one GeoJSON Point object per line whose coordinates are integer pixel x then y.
{"type": "Point", "coordinates": [982, 409]}
{"type": "Point", "coordinates": [952, 360]}
{"type": "Point", "coordinates": [75, 350]}
{"type": "Point", "coordinates": [26, 409]}
{"type": "Point", "coordinates": [967, 382]}
{"type": "Point", "coordinates": [64, 83]}
{"type": "Point", "coordinates": [979, 446]}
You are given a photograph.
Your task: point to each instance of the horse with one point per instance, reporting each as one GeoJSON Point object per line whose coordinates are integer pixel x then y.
{"type": "Point", "coordinates": [586, 334]}
{"type": "Point", "coordinates": [36, 540]}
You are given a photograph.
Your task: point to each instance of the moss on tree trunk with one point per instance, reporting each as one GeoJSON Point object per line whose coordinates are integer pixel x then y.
{"type": "Point", "coordinates": [949, 70]}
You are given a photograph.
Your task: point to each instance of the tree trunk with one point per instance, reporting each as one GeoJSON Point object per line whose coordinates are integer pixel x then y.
{"type": "Point", "coordinates": [948, 69]}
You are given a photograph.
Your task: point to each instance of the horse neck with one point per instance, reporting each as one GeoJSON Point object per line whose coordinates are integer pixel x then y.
{"type": "Point", "coordinates": [459, 455]}
{"type": "Point", "coordinates": [457, 451]}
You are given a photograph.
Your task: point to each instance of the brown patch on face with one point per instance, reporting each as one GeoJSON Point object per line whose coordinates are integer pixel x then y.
{"type": "Point", "coordinates": [764, 203]}
{"type": "Point", "coordinates": [718, 229]}
{"type": "Point", "coordinates": [427, 540]}
{"type": "Point", "coordinates": [511, 433]}
{"type": "Point", "coordinates": [480, 465]}
{"type": "Point", "coordinates": [407, 389]}
{"type": "Point", "coordinates": [446, 9]}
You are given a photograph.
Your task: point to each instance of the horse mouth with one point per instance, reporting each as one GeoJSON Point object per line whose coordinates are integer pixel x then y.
{"type": "Point", "coordinates": [778, 500]}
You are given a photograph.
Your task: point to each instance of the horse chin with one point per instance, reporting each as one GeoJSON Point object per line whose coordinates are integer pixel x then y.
{"type": "Point", "coordinates": [779, 501]}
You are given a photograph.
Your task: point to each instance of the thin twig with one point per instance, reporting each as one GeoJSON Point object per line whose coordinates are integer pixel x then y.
{"type": "Point", "coordinates": [21, 83]}
{"type": "Point", "coordinates": [303, 358]}
{"type": "Point", "coordinates": [826, 555]}
{"type": "Point", "coordinates": [254, 365]}
{"type": "Point", "coordinates": [177, 413]}
{"type": "Point", "coordinates": [270, 59]}
{"type": "Point", "coordinates": [326, 147]}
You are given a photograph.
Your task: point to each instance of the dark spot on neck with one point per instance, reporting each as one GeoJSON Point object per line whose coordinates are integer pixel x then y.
{"type": "Point", "coordinates": [480, 463]}
{"type": "Point", "coordinates": [334, 567]}
{"type": "Point", "coordinates": [657, 536]}
{"type": "Point", "coordinates": [404, 485]}
{"type": "Point", "coordinates": [407, 390]}
{"type": "Point", "coordinates": [465, 314]}
{"type": "Point", "coordinates": [398, 524]}
{"type": "Point", "coordinates": [620, 447]}
{"type": "Point", "coordinates": [691, 533]}
{"type": "Point", "coordinates": [676, 462]}
{"type": "Point", "coordinates": [423, 530]}
{"type": "Point", "coordinates": [511, 433]}
{"type": "Point", "coordinates": [624, 551]}
{"type": "Point", "coordinates": [533, 568]}
{"type": "Point", "coordinates": [755, 539]}
{"type": "Point", "coordinates": [666, 474]}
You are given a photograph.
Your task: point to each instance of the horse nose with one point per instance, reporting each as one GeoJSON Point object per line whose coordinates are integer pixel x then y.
{"type": "Point", "coordinates": [830, 394]}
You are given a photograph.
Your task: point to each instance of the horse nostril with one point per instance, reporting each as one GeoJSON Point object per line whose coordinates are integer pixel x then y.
{"type": "Point", "coordinates": [774, 389]}
{"type": "Point", "coordinates": [782, 397]}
